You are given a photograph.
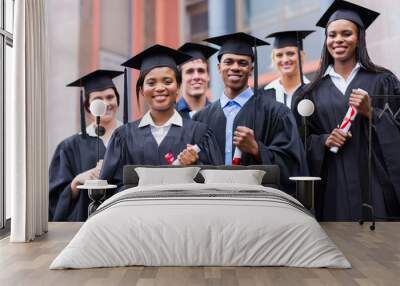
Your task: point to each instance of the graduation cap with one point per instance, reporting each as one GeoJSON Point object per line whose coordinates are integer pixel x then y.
{"type": "Point", "coordinates": [157, 56]}
{"type": "Point", "coordinates": [340, 9]}
{"type": "Point", "coordinates": [97, 80]}
{"type": "Point", "coordinates": [197, 51]}
{"type": "Point", "coordinates": [240, 44]}
{"type": "Point", "coordinates": [291, 39]}
{"type": "Point", "coordinates": [237, 43]}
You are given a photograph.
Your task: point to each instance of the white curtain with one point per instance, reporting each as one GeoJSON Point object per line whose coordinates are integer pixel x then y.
{"type": "Point", "coordinates": [26, 121]}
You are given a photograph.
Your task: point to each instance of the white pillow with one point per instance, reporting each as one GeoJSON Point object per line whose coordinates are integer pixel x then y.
{"type": "Point", "coordinates": [248, 177]}
{"type": "Point", "coordinates": [166, 176]}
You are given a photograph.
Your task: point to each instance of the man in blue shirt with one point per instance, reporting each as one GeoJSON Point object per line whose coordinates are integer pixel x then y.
{"type": "Point", "coordinates": [263, 129]}
{"type": "Point", "coordinates": [195, 79]}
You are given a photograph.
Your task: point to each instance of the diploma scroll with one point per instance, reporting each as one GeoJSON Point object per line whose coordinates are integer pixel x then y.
{"type": "Point", "coordinates": [237, 156]}
{"type": "Point", "coordinates": [346, 124]}
{"type": "Point", "coordinates": [176, 162]}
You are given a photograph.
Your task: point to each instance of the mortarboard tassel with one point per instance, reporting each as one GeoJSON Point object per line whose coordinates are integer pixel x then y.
{"type": "Point", "coordinates": [255, 86]}
{"type": "Point", "coordinates": [299, 48]}
{"type": "Point", "coordinates": [82, 113]}
{"type": "Point", "coordinates": [125, 96]}
{"type": "Point", "coordinates": [255, 69]}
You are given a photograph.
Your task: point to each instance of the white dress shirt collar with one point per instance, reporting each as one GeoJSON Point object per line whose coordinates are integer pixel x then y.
{"type": "Point", "coordinates": [338, 80]}
{"type": "Point", "coordinates": [175, 119]}
{"type": "Point", "coordinates": [280, 91]}
{"type": "Point", "coordinates": [159, 132]}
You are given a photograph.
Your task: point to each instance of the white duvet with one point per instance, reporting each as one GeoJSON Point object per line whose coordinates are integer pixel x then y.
{"type": "Point", "coordinates": [201, 230]}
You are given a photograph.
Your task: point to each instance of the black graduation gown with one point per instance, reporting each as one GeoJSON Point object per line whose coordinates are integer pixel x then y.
{"type": "Point", "coordinates": [134, 145]}
{"type": "Point", "coordinates": [276, 134]}
{"type": "Point", "coordinates": [345, 174]}
{"type": "Point", "coordinates": [73, 156]}
{"type": "Point", "coordinates": [293, 105]}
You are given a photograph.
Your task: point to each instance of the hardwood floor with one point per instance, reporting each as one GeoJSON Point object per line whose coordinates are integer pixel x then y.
{"type": "Point", "coordinates": [374, 255]}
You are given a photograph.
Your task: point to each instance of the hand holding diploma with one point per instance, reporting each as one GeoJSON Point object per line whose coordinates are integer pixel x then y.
{"type": "Point", "coordinates": [359, 103]}
{"type": "Point", "coordinates": [336, 139]}
{"type": "Point", "coordinates": [339, 136]}
{"type": "Point", "coordinates": [188, 156]}
{"type": "Point", "coordinates": [360, 100]}
{"type": "Point", "coordinates": [243, 139]}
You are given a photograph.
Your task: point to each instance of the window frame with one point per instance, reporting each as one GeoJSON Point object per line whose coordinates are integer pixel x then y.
{"type": "Point", "coordinates": [6, 39]}
{"type": "Point", "coordinates": [195, 8]}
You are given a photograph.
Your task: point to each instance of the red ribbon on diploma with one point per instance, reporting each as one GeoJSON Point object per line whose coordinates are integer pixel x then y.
{"type": "Point", "coordinates": [349, 118]}
{"type": "Point", "coordinates": [169, 158]}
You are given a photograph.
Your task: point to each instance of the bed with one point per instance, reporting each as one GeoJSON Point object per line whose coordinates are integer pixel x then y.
{"type": "Point", "coordinates": [201, 224]}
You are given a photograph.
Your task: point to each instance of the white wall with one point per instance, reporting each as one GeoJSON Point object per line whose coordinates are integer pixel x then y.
{"type": "Point", "coordinates": [383, 37]}
{"type": "Point", "coordinates": [63, 17]}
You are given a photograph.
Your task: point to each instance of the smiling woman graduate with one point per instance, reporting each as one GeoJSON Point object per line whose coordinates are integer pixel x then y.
{"type": "Point", "coordinates": [161, 130]}
{"type": "Point", "coordinates": [288, 45]}
{"type": "Point", "coordinates": [348, 77]}
{"type": "Point", "coordinates": [75, 159]}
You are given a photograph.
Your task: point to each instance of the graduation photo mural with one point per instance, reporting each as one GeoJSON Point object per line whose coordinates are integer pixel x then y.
{"type": "Point", "coordinates": [194, 94]}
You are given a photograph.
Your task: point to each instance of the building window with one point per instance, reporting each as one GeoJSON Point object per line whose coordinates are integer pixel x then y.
{"type": "Point", "coordinates": [197, 20]}
{"type": "Point", "coordinates": [260, 18]}
{"type": "Point", "coordinates": [260, 13]}
{"type": "Point", "coordinates": [6, 44]}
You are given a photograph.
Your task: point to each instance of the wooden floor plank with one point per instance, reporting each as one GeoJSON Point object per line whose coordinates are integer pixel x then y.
{"type": "Point", "coordinates": [374, 255]}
